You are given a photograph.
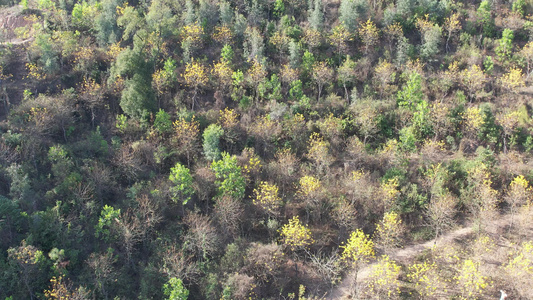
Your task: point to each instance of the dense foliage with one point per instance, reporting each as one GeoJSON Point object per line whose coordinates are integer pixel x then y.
{"type": "Point", "coordinates": [219, 149]}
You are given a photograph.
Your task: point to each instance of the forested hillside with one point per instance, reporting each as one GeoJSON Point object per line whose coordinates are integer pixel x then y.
{"type": "Point", "coordinates": [212, 149]}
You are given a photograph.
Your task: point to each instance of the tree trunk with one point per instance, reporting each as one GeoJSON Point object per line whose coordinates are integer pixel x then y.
{"type": "Point", "coordinates": [194, 97]}
{"type": "Point", "coordinates": [447, 42]}
{"type": "Point", "coordinates": [505, 143]}
{"type": "Point", "coordinates": [354, 285]}
{"type": "Point", "coordinates": [346, 94]}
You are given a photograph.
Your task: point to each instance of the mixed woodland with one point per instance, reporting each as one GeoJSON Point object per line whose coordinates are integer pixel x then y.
{"type": "Point", "coordinates": [253, 149]}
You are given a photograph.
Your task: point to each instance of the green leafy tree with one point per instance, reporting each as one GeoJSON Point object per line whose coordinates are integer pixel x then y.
{"type": "Point", "coordinates": [162, 122]}
{"type": "Point", "coordinates": [83, 14]}
{"type": "Point", "coordinates": [182, 183]}
{"type": "Point", "coordinates": [296, 90]}
{"type": "Point", "coordinates": [226, 54]}
{"type": "Point", "coordinates": [211, 143]}
{"type": "Point", "coordinates": [431, 38]}
{"type": "Point", "coordinates": [138, 98]}
{"type": "Point", "coordinates": [411, 94]}
{"type": "Point", "coordinates": [46, 51]}
{"type": "Point", "coordinates": [253, 45]}
{"type": "Point", "coordinates": [230, 180]}
{"type": "Point", "coordinates": [519, 7]}
{"type": "Point", "coordinates": [279, 8]}
{"type": "Point", "coordinates": [505, 45]}
{"type": "Point", "coordinates": [351, 13]}
{"type": "Point", "coordinates": [316, 15]}
{"type": "Point", "coordinates": [11, 220]}
{"type": "Point", "coordinates": [422, 127]}
{"type": "Point", "coordinates": [175, 290]}
{"type": "Point", "coordinates": [105, 23]}
{"type": "Point", "coordinates": [20, 188]}
{"type": "Point", "coordinates": [308, 60]}
{"type": "Point", "coordinates": [108, 216]}
{"type": "Point", "coordinates": [294, 54]}
{"type": "Point", "coordinates": [130, 20]}
{"type": "Point", "coordinates": [403, 51]}
{"type": "Point", "coordinates": [486, 21]}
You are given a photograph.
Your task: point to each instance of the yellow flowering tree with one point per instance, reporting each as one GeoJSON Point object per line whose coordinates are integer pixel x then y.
{"type": "Point", "coordinates": [392, 33]}
{"type": "Point", "coordinates": [339, 38]}
{"type": "Point", "coordinates": [252, 167]}
{"type": "Point", "coordinates": [256, 75]}
{"type": "Point", "coordinates": [366, 118]}
{"type": "Point", "coordinates": [389, 231]}
{"type": "Point", "coordinates": [29, 261]}
{"type": "Point", "coordinates": [519, 269]}
{"type": "Point", "coordinates": [473, 80]}
{"type": "Point", "coordinates": [426, 279]}
{"type": "Point", "coordinates": [223, 34]}
{"type": "Point", "coordinates": [389, 191]}
{"type": "Point", "coordinates": [318, 152]}
{"type": "Point", "coordinates": [470, 280]}
{"type": "Point", "coordinates": [512, 80]}
{"type": "Point", "coordinates": [440, 212]}
{"type": "Point", "coordinates": [509, 120]}
{"type": "Point", "coordinates": [473, 120]}
{"type": "Point", "coordinates": [483, 198]}
{"type": "Point", "coordinates": [331, 128]}
{"type": "Point", "coordinates": [195, 76]}
{"type": "Point", "coordinates": [322, 74]}
{"type": "Point", "coordinates": [186, 137]}
{"type": "Point", "coordinates": [191, 39]}
{"type": "Point", "coordinates": [267, 199]}
{"type": "Point", "coordinates": [288, 74]}
{"type": "Point", "coordinates": [385, 75]}
{"type": "Point", "coordinates": [369, 34]}
{"type": "Point", "coordinates": [527, 55]}
{"type": "Point", "coordinates": [310, 192]}
{"type": "Point", "coordinates": [295, 235]}
{"type": "Point", "coordinates": [358, 249]}
{"type": "Point", "coordinates": [312, 37]}
{"type": "Point", "coordinates": [229, 120]}
{"type": "Point", "coordinates": [382, 282]}
{"type": "Point", "coordinates": [58, 290]}
{"type": "Point", "coordinates": [222, 72]}
{"type": "Point", "coordinates": [451, 25]}
{"type": "Point", "coordinates": [518, 194]}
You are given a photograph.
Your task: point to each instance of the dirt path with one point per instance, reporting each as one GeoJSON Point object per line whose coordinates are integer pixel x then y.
{"type": "Point", "coordinates": [16, 42]}
{"type": "Point", "coordinates": [404, 255]}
